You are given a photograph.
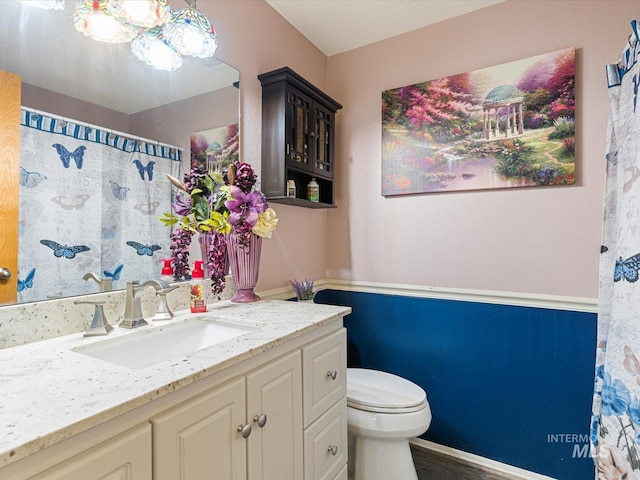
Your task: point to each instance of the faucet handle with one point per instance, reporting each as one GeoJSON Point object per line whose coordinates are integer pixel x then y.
{"type": "Point", "coordinates": [99, 324]}
{"type": "Point", "coordinates": [164, 312]}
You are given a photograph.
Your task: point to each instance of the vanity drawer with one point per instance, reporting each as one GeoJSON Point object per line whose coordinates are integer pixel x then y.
{"type": "Point", "coordinates": [324, 378]}
{"type": "Point", "coordinates": [325, 445]}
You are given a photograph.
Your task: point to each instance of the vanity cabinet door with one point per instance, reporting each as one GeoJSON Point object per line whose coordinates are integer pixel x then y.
{"type": "Point", "coordinates": [10, 88]}
{"type": "Point", "coordinates": [125, 457]}
{"type": "Point", "coordinates": [199, 439]}
{"type": "Point", "coordinates": [274, 400]}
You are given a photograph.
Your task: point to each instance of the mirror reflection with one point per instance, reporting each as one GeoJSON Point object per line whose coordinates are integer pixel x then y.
{"type": "Point", "coordinates": [89, 210]}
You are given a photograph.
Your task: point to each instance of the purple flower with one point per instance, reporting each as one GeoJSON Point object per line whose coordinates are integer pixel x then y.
{"type": "Point", "coordinates": [245, 177]}
{"type": "Point", "coordinates": [182, 205]}
{"type": "Point", "coordinates": [245, 207]}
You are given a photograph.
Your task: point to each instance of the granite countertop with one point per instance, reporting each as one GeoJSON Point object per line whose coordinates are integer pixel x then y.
{"type": "Point", "coordinates": [50, 392]}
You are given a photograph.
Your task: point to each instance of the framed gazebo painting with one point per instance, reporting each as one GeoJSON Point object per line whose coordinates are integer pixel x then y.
{"type": "Point", "coordinates": [511, 125]}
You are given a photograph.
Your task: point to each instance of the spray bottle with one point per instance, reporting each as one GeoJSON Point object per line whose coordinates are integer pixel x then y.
{"type": "Point", "coordinates": [198, 302]}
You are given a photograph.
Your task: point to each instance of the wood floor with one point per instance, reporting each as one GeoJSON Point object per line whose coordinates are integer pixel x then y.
{"type": "Point", "coordinates": [432, 465]}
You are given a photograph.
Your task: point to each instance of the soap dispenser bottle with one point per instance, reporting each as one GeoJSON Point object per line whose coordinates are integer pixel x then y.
{"type": "Point", "coordinates": [167, 271]}
{"type": "Point", "coordinates": [197, 296]}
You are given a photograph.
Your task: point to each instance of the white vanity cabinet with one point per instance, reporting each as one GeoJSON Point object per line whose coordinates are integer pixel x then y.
{"type": "Point", "coordinates": [276, 411]}
{"type": "Point", "coordinates": [252, 427]}
{"type": "Point", "coordinates": [249, 428]}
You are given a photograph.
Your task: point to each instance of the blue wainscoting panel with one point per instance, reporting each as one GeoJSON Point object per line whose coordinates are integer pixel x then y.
{"type": "Point", "coordinates": [508, 383]}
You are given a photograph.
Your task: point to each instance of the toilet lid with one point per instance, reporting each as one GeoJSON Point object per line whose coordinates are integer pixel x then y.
{"type": "Point", "coordinates": [377, 391]}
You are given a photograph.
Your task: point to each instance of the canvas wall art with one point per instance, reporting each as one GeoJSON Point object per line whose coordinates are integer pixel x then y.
{"type": "Point", "coordinates": [511, 125]}
{"type": "Point", "coordinates": [215, 149]}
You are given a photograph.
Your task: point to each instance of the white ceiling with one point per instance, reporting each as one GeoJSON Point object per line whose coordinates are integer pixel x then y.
{"type": "Point", "coordinates": [335, 26]}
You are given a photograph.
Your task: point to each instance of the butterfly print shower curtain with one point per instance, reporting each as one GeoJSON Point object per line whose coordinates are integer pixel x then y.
{"type": "Point", "coordinates": [89, 202]}
{"type": "Point", "coordinates": [615, 422]}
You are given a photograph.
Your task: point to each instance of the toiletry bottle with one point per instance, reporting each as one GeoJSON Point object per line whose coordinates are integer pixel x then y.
{"type": "Point", "coordinates": [167, 271]}
{"type": "Point", "coordinates": [313, 191]}
{"type": "Point", "coordinates": [198, 303]}
{"type": "Point", "coordinates": [291, 189]}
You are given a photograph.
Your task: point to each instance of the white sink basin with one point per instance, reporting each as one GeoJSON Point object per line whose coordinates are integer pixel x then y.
{"type": "Point", "coordinates": [154, 345]}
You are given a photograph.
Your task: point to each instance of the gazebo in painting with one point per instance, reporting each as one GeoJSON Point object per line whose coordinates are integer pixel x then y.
{"type": "Point", "coordinates": [500, 98]}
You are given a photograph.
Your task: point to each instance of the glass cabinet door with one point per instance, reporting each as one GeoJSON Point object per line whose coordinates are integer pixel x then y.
{"type": "Point", "coordinates": [298, 130]}
{"type": "Point", "coordinates": [322, 140]}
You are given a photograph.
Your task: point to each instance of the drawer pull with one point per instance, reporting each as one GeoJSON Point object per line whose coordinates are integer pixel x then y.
{"type": "Point", "coordinates": [261, 420]}
{"type": "Point", "coordinates": [333, 450]}
{"type": "Point", "coordinates": [332, 374]}
{"type": "Point", "coordinates": [245, 430]}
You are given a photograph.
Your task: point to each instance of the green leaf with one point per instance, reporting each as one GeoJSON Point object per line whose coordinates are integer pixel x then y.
{"type": "Point", "coordinates": [169, 219]}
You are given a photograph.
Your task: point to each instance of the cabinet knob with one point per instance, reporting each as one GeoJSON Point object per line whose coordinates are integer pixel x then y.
{"type": "Point", "coordinates": [332, 374]}
{"type": "Point", "coordinates": [245, 430]}
{"type": "Point", "coordinates": [333, 450]}
{"type": "Point", "coordinates": [5, 273]}
{"type": "Point", "coordinates": [261, 420]}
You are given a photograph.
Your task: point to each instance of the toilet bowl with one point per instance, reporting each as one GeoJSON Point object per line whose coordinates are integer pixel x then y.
{"type": "Point", "coordinates": [384, 412]}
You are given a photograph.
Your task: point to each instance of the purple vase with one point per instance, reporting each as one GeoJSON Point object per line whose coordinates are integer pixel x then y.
{"type": "Point", "coordinates": [245, 263]}
{"type": "Point", "coordinates": [205, 240]}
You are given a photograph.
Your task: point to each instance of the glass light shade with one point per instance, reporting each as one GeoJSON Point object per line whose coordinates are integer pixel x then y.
{"type": "Point", "coordinates": [45, 4]}
{"type": "Point", "coordinates": [153, 50]}
{"type": "Point", "coordinates": [141, 13]}
{"type": "Point", "coordinates": [191, 33]}
{"type": "Point", "coordinates": [90, 18]}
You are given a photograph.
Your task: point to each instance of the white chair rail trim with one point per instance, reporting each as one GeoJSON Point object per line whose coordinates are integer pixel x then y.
{"type": "Point", "coordinates": [554, 302]}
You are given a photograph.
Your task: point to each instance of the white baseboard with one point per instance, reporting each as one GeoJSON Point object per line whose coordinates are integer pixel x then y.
{"type": "Point", "coordinates": [514, 472]}
{"type": "Point", "coordinates": [554, 302]}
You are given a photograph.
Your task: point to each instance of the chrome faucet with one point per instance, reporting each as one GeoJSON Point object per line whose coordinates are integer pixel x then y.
{"type": "Point", "coordinates": [105, 283]}
{"type": "Point", "coordinates": [132, 310]}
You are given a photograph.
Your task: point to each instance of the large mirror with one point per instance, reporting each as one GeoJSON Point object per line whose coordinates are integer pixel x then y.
{"type": "Point", "coordinates": [74, 77]}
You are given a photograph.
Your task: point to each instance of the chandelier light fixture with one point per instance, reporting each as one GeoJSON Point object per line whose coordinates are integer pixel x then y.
{"type": "Point", "coordinates": [190, 32]}
{"type": "Point", "coordinates": [158, 36]}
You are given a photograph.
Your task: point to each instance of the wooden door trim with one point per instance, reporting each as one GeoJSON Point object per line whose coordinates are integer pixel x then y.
{"type": "Point", "coordinates": [10, 92]}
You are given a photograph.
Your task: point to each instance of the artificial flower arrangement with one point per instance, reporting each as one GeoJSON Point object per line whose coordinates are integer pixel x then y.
{"type": "Point", "coordinates": [303, 289]}
{"type": "Point", "coordinates": [217, 204]}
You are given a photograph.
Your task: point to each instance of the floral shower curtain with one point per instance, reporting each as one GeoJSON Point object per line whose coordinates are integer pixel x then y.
{"type": "Point", "coordinates": [89, 203]}
{"type": "Point", "coordinates": [615, 431]}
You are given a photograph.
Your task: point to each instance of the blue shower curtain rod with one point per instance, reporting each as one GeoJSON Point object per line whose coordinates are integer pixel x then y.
{"type": "Point", "coordinates": [85, 124]}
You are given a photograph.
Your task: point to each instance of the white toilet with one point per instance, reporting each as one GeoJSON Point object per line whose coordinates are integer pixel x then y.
{"type": "Point", "coordinates": [384, 412]}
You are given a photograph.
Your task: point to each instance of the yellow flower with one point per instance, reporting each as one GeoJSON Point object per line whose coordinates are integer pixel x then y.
{"type": "Point", "coordinates": [218, 222]}
{"type": "Point", "coordinates": [266, 224]}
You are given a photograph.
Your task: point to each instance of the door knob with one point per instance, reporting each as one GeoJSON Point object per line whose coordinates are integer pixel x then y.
{"type": "Point", "coordinates": [332, 374]}
{"type": "Point", "coordinates": [261, 420]}
{"type": "Point", "coordinates": [333, 450]}
{"type": "Point", "coordinates": [5, 273]}
{"type": "Point", "coordinates": [245, 430]}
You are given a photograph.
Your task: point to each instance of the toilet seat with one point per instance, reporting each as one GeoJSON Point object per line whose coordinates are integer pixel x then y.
{"type": "Point", "coordinates": [382, 392]}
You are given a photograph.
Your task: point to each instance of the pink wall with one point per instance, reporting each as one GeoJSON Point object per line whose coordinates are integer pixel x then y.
{"type": "Point", "coordinates": [534, 240]}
